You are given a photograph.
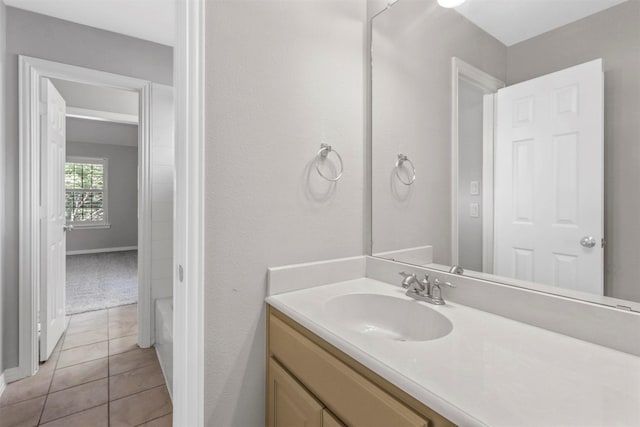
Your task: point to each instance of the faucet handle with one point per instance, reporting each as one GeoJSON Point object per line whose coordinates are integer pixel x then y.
{"type": "Point", "coordinates": [406, 275]}
{"type": "Point", "coordinates": [437, 282]}
{"type": "Point", "coordinates": [426, 280]}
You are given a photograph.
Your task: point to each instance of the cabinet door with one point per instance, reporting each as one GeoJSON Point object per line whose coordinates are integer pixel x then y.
{"type": "Point", "coordinates": [328, 420]}
{"type": "Point", "coordinates": [289, 403]}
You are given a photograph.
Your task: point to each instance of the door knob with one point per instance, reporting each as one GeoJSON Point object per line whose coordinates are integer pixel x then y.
{"type": "Point", "coordinates": [588, 242]}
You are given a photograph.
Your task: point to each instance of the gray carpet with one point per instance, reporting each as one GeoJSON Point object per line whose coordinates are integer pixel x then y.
{"type": "Point", "coordinates": [97, 281]}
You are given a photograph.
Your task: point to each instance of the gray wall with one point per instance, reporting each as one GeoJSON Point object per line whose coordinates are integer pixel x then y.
{"type": "Point", "coordinates": [613, 35]}
{"type": "Point", "coordinates": [3, 48]}
{"type": "Point", "coordinates": [412, 115]}
{"type": "Point", "coordinates": [44, 37]}
{"type": "Point", "coordinates": [469, 169]}
{"type": "Point", "coordinates": [122, 190]}
{"type": "Point", "coordinates": [282, 77]}
{"type": "Point", "coordinates": [99, 132]}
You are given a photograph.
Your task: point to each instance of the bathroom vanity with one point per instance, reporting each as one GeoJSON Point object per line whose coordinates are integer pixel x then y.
{"type": "Point", "coordinates": [488, 141]}
{"type": "Point", "coordinates": [308, 378]}
{"type": "Point", "coordinates": [362, 353]}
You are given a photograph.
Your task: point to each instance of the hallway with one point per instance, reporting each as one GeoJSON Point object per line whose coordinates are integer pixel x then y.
{"type": "Point", "coordinates": [96, 376]}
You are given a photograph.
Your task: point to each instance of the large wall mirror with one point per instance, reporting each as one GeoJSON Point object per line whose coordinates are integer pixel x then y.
{"type": "Point", "coordinates": [506, 141]}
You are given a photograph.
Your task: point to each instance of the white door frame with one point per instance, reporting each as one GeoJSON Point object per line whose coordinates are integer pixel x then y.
{"type": "Point", "coordinates": [188, 228]}
{"type": "Point", "coordinates": [31, 70]}
{"type": "Point", "coordinates": [488, 84]}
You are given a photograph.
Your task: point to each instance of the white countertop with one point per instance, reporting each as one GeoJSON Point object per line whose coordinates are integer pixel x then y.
{"type": "Point", "coordinates": [489, 370]}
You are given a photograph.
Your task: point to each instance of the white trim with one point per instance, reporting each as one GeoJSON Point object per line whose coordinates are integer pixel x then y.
{"type": "Point", "coordinates": [77, 226]}
{"type": "Point", "coordinates": [31, 70]}
{"type": "Point", "coordinates": [3, 384]}
{"type": "Point", "coordinates": [164, 373]}
{"type": "Point", "coordinates": [12, 374]}
{"type": "Point", "coordinates": [102, 250]}
{"type": "Point", "coordinates": [145, 339]}
{"type": "Point", "coordinates": [188, 228]}
{"type": "Point", "coordinates": [102, 116]}
{"type": "Point", "coordinates": [489, 84]}
{"type": "Point", "coordinates": [488, 130]}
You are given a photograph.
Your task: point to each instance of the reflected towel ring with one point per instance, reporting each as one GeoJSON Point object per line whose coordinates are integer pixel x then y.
{"type": "Point", "coordinates": [401, 159]}
{"type": "Point", "coordinates": [323, 153]}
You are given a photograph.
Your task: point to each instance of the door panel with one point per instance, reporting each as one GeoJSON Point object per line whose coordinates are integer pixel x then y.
{"type": "Point", "coordinates": [290, 404]}
{"type": "Point", "coordinates": [549, 170]}
{"type": "Point", "coordinates": [52, 315]}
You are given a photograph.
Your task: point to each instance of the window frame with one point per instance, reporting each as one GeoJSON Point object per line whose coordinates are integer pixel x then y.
{"type": "Point", "coordinates": [104, 223]}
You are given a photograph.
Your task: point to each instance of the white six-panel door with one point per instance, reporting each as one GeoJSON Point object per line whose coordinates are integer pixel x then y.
{"type": "Point", "coordinates": [52, 289]}
{"type": "Point", "coordinates": [549, 179]}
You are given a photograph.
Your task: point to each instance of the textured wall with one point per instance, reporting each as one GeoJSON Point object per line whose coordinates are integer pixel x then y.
{"type": "Point", "coordinates": [282, 76]}
{"type": "Point", "coordinates": [614, 36]}
{"type": "Point", "coordinates": [49, 38]}
{"type": "Point", "coordinates": [413, 43]}
{"type": "Point", "coordinates": [99, 132]}
{"type": "Point", "coordinates": [3, 283]}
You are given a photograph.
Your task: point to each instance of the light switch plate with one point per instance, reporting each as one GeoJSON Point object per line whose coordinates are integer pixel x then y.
{"type": "Point", "coordinates": [474, 188]}
{"type": "Point", "coordinates": [474, 210]}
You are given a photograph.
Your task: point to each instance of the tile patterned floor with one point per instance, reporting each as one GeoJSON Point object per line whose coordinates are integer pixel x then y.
{"type": "Point", "coordinates": [96, 376]}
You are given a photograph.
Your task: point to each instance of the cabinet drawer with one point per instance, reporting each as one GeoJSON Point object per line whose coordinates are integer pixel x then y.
{"type": "Point", "coordinates": [354, 399]}
{"type": "Point", "coordinates": [289, 403]}
{"type": "Point", "coordinates": [328, 420]}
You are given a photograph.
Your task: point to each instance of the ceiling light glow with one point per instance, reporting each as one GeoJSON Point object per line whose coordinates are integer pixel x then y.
{"type": "Point", "coordinates": [450, 3]}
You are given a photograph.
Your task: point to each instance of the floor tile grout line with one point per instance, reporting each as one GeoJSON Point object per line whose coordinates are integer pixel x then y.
{"type": "Point", "coordinates": [97, 342]}
{"type": "Point", "coordinates": [83, 383]}
{"type": "Point", "coordinates": [144, 391]}
{"type": "Point", "coordinates": [53, 374]}
{"type": "Point", "coordinates": [156, 418]}
{"type": "Point", "coordinates": [73, 413]}
{"type": "Point", "coordinates": [40, 396]}
{"type": "Point", "coordinates": [82, 345]}
{"type": "Point", "coordinates": [84, 361]}
{"type": "Point", "coordinates": [131, 370]}
{"type": "Point", "coordinates": [137, 392]}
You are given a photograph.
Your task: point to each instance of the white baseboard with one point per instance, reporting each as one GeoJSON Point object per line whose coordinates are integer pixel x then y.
{"type": "Point", "coordinates": [3, 384]}
{"type": "Point", "coordinates": [97, 251]}
{"type": "Point", "coordinates": [13, 374]}
{"type": "Point", "coordinates": [164, 374]}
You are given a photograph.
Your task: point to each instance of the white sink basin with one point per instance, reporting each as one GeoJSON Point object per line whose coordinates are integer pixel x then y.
{"type": "Point", "coordinates": [387, 317]}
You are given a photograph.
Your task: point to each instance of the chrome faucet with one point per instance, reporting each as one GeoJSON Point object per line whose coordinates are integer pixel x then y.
{"type": "Point", "coordinates": [423, 290]}
{"type": "Point", "coordinates": [456, 269]}
{"type": "Point", "coordinates": [411, 282]}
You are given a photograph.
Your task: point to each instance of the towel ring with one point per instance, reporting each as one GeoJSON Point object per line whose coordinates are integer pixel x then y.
{"type": "Point", "coordinates": [401, 159]}
{"type": "Point", "coordinates": [323, 153]}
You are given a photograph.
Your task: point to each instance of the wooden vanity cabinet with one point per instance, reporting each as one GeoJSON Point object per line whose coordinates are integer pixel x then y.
{"type": "Point", "coordinates": [311, 383]}
{"type": "Point", "coordinates": [291, 404]}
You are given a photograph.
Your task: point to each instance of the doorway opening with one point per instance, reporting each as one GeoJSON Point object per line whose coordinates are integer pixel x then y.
{"type": "Point", "coordinates": [473, 109]}
{"type": "Point", "coordinates": [78, 200]}
{"type": "Point", "coordinates": [101, 196]}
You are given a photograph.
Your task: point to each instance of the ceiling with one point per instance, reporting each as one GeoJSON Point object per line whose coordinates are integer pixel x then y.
{"type": "Point", "coordinates": [513, 21]}
{"type": "Point", "coordinates": [151, 20]}
{"type": "Point", "coordinates": [98, 103]}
